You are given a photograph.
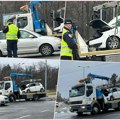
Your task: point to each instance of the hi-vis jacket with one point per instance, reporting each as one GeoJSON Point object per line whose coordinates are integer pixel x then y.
{"type": "Point", "coordinates": [12, 32]}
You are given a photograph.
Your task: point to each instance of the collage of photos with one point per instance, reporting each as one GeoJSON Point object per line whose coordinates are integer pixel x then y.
{"type": "Point", "coordinates": [60, 59]}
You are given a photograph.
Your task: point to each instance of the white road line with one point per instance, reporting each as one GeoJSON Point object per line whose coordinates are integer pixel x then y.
{"type": "Point", "coordinates": [23, 117]}
{"type": "Point", "coordinates": [44, 110]}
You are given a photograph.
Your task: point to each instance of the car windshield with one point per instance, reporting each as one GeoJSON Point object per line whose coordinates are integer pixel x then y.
{"type": "Point", "coordinates": [77, 91]}
{"type": "Point", "coordinates": [1, 85]}
{"type": "Point", "coordinates": [113, 22]}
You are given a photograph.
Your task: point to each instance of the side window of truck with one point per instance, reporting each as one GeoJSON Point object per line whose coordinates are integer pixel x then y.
{"type": "Point", "coordinates": [7, 86]}
{"type": "Point", "coordinates": [89, 90]}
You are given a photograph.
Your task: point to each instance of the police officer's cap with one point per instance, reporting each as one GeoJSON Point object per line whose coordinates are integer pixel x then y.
{"type": "Point", "coordinates": [10, 21]}
{"type": "Point", "coordinates": [68, 21]}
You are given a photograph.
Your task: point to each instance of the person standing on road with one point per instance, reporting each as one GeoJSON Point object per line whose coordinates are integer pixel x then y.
{"type": "Point", "coordinates": [68, 44]}
{"type": "Point", "coordinates": [12, 35]}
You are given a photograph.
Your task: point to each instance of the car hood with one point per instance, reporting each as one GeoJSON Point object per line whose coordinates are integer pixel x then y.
{"type": "Point", "coordinates": [99, 24]}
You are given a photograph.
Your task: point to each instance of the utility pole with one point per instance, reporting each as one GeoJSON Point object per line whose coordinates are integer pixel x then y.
{"type": "Point", "coordinates": [46, 74]}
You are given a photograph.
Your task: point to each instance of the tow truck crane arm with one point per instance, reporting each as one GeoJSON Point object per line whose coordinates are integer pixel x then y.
{"type": "Point", "coordinates": [93, 76]}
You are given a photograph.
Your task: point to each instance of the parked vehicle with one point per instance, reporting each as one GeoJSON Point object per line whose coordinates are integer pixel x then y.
{"type": "Point", "coordinates": [114, 93]}
{"type": "Point", "coordinates": [33, 87]}
{"type": "Point", "coordinates": [106, 36]}
{"type": "Point", "coordinates": [31, 42]}
{"type": "Point", "coordinates": [3, 100]}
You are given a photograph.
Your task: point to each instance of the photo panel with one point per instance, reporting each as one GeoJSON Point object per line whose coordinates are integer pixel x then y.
{"type": "Point", "coordinates": [88, 90]}
{"type": "Point", "coordinates": [28, 88]}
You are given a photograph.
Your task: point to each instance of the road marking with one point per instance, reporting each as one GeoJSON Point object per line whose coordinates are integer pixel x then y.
{"type": "Point", "coordinates": [44, 110]}
{"type": "Point", "coordinates": [23, 117]}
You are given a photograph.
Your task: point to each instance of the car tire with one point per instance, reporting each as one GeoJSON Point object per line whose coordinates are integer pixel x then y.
{"type": "Point", "coordinates": [111, 98]}
{"type": "Point", "coordinates": [41, 90]}
{"type": "Point", "coordinates": [113, 42]}
{"type": "Point", "coordinates": [46, 50]}
{"type": "Point", "coordinates": [95, 109]}
{"type": "Point", "coordinates": [28, 91]}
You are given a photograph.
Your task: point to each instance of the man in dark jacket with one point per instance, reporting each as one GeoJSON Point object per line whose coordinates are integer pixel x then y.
{"type": "Point", "coordinates": [68, 44]}
{"type": "Point", "coordinates": [12, 35]}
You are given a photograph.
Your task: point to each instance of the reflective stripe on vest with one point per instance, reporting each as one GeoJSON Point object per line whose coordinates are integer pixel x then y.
{"type": "Point", "coordinates": [65, 50]}
{"type": "Point", "coordinates": [12, 33]}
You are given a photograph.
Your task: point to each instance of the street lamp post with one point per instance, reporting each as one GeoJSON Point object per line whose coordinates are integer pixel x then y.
{"type": "Point", "coordinates": [84, 68]}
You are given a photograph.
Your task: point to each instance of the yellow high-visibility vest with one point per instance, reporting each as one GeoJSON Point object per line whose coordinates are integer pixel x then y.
{"type": "Point", "coordinates": [65, 50]}
{"type": "Point", "coordinates": [12, 33]}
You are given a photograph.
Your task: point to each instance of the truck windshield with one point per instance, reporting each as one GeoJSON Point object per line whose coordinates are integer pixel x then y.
{"type": "Point", "coordinates": [77, 91]}
{"type": "Point", "coordinates": [1, 85]}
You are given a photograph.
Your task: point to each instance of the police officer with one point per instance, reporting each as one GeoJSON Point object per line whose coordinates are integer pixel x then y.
{"type": "Point", "coordinates": [68, 43]}
{"type": "Point", "coordinates": [12, 35]}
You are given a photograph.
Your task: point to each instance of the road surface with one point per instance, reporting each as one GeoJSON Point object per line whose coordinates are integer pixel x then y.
{"type": "Point", "coordinates": [68, 115]}
{"type": "Point", "coordinates": [28, 110]}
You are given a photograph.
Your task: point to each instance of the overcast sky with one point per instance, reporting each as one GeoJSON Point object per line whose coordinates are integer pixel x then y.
{"type": "Point", "coordinates": [27, 62]}
{"type": "Point", "coordinates": [70, 72]}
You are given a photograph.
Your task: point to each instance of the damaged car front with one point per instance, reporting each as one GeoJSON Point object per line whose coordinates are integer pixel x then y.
{"type": "Point", "coordinates": [105, 36]}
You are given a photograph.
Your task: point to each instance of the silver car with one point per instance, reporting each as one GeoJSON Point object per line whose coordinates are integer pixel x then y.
{"type": "Point", "coordinates": [31, 42]}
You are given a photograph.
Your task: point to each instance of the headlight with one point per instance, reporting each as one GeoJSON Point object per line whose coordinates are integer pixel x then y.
{"type": "Point", "coordinates": [83, 107]}
{"type": "Point", "coordinates": [57, 40]}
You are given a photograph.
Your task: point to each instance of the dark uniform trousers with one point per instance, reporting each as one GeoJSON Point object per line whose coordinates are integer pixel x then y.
{"type": "Point", "coordinates": [12, 48]}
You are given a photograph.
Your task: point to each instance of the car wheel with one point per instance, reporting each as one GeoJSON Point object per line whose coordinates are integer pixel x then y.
{"type": "Point", "coordinates": [41, 90]}
{"type": "Point", "coordinates": [28, 91]}
{"type": "Point", "coordinates": [46, 50]}
{"type": "Point", "coordinates": [111, 98]}
{"type": "Point", "coordinates": [113, 42]}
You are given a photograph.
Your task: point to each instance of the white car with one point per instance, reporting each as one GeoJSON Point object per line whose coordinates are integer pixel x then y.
{"type": "Point", "coordinates": [106, 36]}
{"type": "Point", "coordinates": [33, 87]}
{"type": "Point", "coordinates": [31, 42]}
{"type": "Point", "coordinates": [114, 93]}
{"type": "Point", "coordinates": [3, 100]}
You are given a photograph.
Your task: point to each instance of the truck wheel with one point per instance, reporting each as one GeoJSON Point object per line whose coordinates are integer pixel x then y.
{"type": "Point", "coordinates": [1, 54]}
{"type": "Point", "coordinates": [35, 98]}
{"type": "Point", "coordinates": [11, 98]}
{"type": "Point", "coordinates": [46, 50]}
{"type": "Point", "coordinates": [118, 108]}
{"type": "Point", "coordinates": [95, 110]}
{"type": "Point", "coordinates": [79, 113]}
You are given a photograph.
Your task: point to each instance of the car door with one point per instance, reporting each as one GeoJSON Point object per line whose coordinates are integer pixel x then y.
{"type": "Point", "coordinates": [3, 43]}
{"type": "Point", "coordinates": [27, 42]}
{"type": "Point", "coordinates": [32, 87]}
{"type": "Point", "coordinates": [38, 87]}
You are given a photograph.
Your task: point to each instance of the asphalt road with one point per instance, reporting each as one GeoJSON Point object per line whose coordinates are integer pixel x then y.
{"type": "Point", "coordinates": [28, 110]}
{"type": "Point", "coordinates": [68, 115]}
{"type": "Point", "coordinates": [39, 56]}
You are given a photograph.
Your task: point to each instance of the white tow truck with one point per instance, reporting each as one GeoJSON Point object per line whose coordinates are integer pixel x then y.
{"type": "Point", "coordinates": [10, 88]}
{"type": "Point", "coordinates": [86, 97]}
